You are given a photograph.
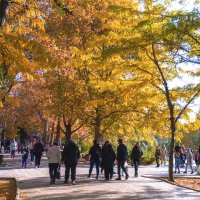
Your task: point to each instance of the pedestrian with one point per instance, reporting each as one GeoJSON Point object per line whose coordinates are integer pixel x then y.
{"type": "Point", "coordinates": [70, 157]}
{"type": "Point", "coordinates": [7, 146]}
{"type": "Point", "coordinates": [189, 158]}
{"type": "Point", "coordinates": [13, 148]}
{"type": "Point", "coordinates": [157, 156]}
{"type": "Point", "coordinates": [31, 149]}
{"type": "Point", "coordinates": [24, 156]}
{"type": "Point", "coordinates": [122, 156]}
{"type": "Point", "coordinates": [183, 157]}
{"type": "Point", "coordinates": [38, 150]}
{"type": "Point", "coordinates": [95, 156]}
{"type": "Point", "coordinates": [102, 152]}
{"type": "Point", "coordinates": [108, 158]}
{"type": "Point", "coordinates": [196, 157]}
{"type": "Point", "coordinates": [177, 162]}
{"type": "Point", "coordinates": [54, 160]}
{"type": "Point", "coordinates": [135, 157]}
{"type": "Point", "coordinates": [163, 155]}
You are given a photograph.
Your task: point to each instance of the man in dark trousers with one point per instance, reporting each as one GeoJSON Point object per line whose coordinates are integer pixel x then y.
{"type": "Point", "coordinates": [122, 156]}
{"type": "Point", "coordinates": [135, 157]}
{"type": "Point", "coordinates": [38, 150]}
{"type": "Point", "coordinates": [95, 155]}
{"type": "Point", "coordinates": [70, 157]}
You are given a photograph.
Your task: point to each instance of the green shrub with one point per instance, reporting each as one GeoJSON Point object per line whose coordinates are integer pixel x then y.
{"type": "Point", "coordinates": [148, 157]}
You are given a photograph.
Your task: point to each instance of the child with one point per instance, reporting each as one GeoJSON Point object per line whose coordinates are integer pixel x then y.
{"type": "Point", "coordinates": [24, 156]}
{"type": "Point", "coordinates": [177, 161]}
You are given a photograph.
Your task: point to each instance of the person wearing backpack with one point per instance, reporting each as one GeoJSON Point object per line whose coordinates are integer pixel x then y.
{"type": "Point", "coordinates": [70, 157]}
{"type": "Point", "coordinates": [95, 156]}
{"type": "Point", "coordinates": [108, 158]}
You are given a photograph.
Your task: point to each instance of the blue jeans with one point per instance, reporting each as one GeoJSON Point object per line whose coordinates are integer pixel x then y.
{"type": "Point", "coordinates": [177, 164]}
{"type": "Point", "coordinates": [97, 164]}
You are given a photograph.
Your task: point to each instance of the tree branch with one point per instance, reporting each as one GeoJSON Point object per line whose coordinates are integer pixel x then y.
{"type": "Point", "coordinates": [187, 104]}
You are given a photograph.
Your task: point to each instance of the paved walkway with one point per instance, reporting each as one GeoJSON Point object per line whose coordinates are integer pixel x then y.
{"type": "Point", "coordinates": [34, 184]}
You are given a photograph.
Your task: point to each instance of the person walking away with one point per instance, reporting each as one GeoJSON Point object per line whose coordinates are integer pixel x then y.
{"type": "Point", "coordinates": [38, 150]}
{"type": "Point", "coordinates": [122, 156]}
{"type": "Point", "coordinates": [102, 152]}
{"type": "Point", "coordinates": [135, 157]}
{"type": "Point", "coordinates": [157, 156]}
{"type": "Point", "coordinates": [108, 158]}
{"type": "Point", "coordinates": [13, 148]}
{"type": "Point", "coordinates": [177, 162]}
{"type": "Point", "coordinates": [70, 157]}
{"type": "Point", "coordinates": [54, 160]}
{"type": "Point", "coordinates": [95, 156]}
{"type": "Point", "coordinates": [31, 149]}
{"type": "Point", "coordinates": [163, 155]}
{"type": "Point", "coordinates": [24, 156]}
{"type": "Point", "coordinates": [189, 159]}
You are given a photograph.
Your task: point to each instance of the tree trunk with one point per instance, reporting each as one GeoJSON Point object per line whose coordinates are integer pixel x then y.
{"type": "Point", "coordinates": [171, 156]}
{"type": "Point", "coordinates": [52, 134]}
{"type": "Point", "coordinates": [68, 132]}
{"type": "Point", "coordinates": [46, 130]}
{"type": "Point", "coordinates": [4, 6]}
{"type": "Point", "coordinates": [58, 130]}
{"type": "Point", "coordinates": [173, 130]}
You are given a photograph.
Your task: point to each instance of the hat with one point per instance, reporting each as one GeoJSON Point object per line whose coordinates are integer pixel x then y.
{"type": "Point", "coordinates": [119, 140]}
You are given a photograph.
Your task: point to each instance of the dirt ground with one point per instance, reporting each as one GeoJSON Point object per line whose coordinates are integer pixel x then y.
{"type": "Point", "coordinates": [193, 183]}
{"type": "Point", "coordinates": [7, 189]}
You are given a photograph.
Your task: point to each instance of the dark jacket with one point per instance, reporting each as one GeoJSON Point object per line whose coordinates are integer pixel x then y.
{"type": "Point", "coordinates": [157, 153]}
{"type": "Point", "coordinates": [177, 149]}
{"type": "Point", "coordinates": [122, 153]}
{"type": "Point", "coordinates": [108, 157]}
{"type": "Point", "coordinates": [24, 153]}
{"type": "Point", "coordinates": [136, 153]}
{"type": "Point", "coordinates": [38, 148]}
{"type": "Point", "coordinates": [71, 153]}
{"type": "Point", "coordinates": [95, 152]}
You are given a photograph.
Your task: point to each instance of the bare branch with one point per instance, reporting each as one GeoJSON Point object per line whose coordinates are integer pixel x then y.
{"type": "Point", "coordinates": [187, 104]}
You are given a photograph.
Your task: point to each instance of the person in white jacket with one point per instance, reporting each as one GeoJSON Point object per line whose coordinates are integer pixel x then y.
{"type": "Point", "coordinates": [54, 160]}
{"type": "Point", "coordinates": [13, 148]}
{"type": "Point", "coordinates": [189, 158]}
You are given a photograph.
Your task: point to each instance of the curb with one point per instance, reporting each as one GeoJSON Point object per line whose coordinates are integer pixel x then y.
{"type": "Point", "coordinates": [172, 183]}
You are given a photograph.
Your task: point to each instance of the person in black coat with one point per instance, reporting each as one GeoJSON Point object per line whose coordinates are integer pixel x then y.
{"type": "Point", "coordinates": [95, 156]}
{"type": "Point", "coordinates": [38, 150]}
{"type": "Point", "coordinates": [135, 157]}
{"type": "Point", "coordinates": [122, 156]}
{"type": "Point", "coordinates": [108, 158]}
{"type": "Point", "coordinates": [70, 157]}
{"type": "Point", "coordinates": [102, 152]}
